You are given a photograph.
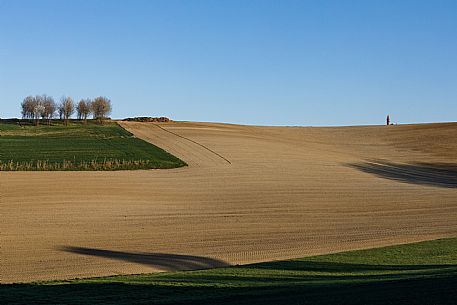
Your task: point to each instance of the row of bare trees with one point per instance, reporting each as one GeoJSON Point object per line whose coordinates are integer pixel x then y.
{"type": "Point", "coordinates": [40, 106]}
{"type": "Point", "coordinates": [44, 107]}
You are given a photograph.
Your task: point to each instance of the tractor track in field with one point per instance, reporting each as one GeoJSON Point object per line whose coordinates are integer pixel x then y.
{"type": "Point", "coordinates": [195, 142]}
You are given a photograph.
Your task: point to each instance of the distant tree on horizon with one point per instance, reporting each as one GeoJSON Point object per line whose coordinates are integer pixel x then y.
{"type": "Point", "coordinates": [33, 108]}
{"type": "Point", "coordinates": [38, 109]}
{"type": "Point", "coordinates": [50, 108]}
{"type": "Point", "coordinates": [27, 107]}
{"type": "Point", "coordinates": [101, 108]}
{"type": "Point", "coordinates": [66, 108]}
{"type": "Point", "coordinates": [84, 108]}
{"type": "Point", "coordinates": [44, 107]}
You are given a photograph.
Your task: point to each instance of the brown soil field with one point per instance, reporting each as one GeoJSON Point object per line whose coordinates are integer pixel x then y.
{"type": "Point", "coordinates": [249, 194]}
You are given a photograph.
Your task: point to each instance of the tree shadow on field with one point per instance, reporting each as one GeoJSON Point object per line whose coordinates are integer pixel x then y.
{"type": "Point", "coordinates": [162, 261]}
{"type": "Point", "coordinates": [432, 174]}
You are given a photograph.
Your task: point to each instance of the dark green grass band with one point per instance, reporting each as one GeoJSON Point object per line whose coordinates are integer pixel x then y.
{"type": "Point", "coordinates": [420, 273]}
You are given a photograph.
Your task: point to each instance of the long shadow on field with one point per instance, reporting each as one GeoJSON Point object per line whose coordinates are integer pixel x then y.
{"type": "Point", "coordinates": [162, 261]}
{"type": "Point", "coordinates": [433, 174]}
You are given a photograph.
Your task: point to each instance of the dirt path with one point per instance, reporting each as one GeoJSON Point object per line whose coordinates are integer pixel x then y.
{"type": "Point", "coordinates": [249, 194]}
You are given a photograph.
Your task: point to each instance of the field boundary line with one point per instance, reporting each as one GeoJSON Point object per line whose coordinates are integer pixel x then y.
{"type": "Point", "coordinates": [195, 142]}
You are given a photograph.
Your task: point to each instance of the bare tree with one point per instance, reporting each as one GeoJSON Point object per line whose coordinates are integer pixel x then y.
{"type": "Point", "coordinates": [101, 108]}
{"type": "Point", "coordinates": [79, 110]}
{"type": "Point", "coordinates": [60, 110]}
{"type": "Point", "coordinates": [43, 106]}
{"type": "Point", "coordinates": [50, 108]}
{"type": "Point", "coordinates": [38, 108]}
{"type": "Point", "coordinates": [66, 108]}
{"type": "Point", "coordinates": [84, 108]}
{"type": "Point", "coordinates": [27, 107]}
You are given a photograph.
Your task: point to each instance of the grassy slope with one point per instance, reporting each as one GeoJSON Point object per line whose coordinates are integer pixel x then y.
{"type": "Point", "coordinates": [421, 273]}
{"type": "Point", "coordinates": [78, 143]}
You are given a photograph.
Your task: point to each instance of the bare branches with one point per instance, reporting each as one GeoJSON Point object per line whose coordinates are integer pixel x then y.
{"type": "Point", "coordinates": [27, 107]}
{"type": "Point", "coordinates": [101, 108]}
{"type": "Point", "coordinates": [44, 107]}
{"type": "Point", "coordinates": [50, 108]}
{"type": "Point", "coordinates": [66, 108]}
{"type": "Point", "coordinates": [84, 108]}
{"type": "Point", "coordinates": [36, 107]}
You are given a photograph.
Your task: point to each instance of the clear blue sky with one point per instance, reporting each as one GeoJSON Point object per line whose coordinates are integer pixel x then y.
{"type": "Point", "coordinates": [239, 61]}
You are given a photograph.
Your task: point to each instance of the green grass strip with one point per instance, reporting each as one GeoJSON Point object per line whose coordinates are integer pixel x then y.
{"type": "Point", "coordinates": [76, 147]}
{"type": "Point", "coordinates": [420, 273]}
